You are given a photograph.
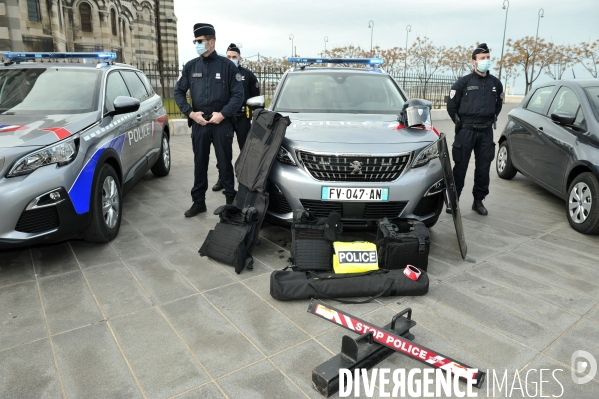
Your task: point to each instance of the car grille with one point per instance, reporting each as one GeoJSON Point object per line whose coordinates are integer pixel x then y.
{"type": "Point", "coordinates": [277, 203]}
{"type": "Point", "coordinates": [358, 168]}
{"type": "Point", "coordinates": [427, 205]}
{"type": "Point", "coordinates": [372, 210]}
{"type": "Point", "coordinates": [38, 220]}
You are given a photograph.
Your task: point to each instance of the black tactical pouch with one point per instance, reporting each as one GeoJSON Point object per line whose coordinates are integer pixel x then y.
{"type": "Point", "coordinates": [312, 241]}
{"type": "Point", "coordinates": [401, 244]}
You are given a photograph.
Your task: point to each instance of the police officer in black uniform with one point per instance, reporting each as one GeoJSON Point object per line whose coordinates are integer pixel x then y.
{"type": "Point", "coordinates": [474, 102]}
{"type": "Point", "coordinates": [251, 88]}
{"type": "Point", "coordinates": [216, 95]}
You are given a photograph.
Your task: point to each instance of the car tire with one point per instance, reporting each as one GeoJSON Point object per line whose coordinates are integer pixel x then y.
{"type": "Point", "coordinates": [163, 165]}
{"type": "Point", "coordinates": [106, 206]}
{"type": "Point", "coordinates": [505, 167]}
{"type": "Point", "coordinates": [440, 206]}
{"type": "Point", "coordinates": [582, 204]}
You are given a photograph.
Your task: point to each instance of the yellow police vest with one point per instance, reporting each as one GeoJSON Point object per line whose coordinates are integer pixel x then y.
{"type": "Point", "coordinates": [354, 257]}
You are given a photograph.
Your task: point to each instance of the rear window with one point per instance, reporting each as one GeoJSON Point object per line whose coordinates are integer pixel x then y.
{"type": "Point", "coordinates": [539, 99]}
{"type": "Point", "coordinates": [136, 87]}
{"type": "Point", "coordinates": [593, 95]}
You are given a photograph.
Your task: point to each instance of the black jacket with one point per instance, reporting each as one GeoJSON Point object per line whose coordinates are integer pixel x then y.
{"type": "Point", "coordinates": [214, 84]}
{"type": "Point", "coordinates": [475, 98]}
{"type": "Point", "coordinates": [251, 86]}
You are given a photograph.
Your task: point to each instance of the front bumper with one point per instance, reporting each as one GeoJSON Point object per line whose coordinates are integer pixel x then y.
{"type": "Point", "coordinates": [25, 221]}
{"type": "Point", "coordinates": [292, 187]}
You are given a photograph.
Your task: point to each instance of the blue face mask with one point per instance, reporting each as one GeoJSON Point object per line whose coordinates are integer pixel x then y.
{"type": "Point", "coordinates": [483, 65]}
{"type": "Point", "coordinates": [236, 62]}
{"type": "Point", "coordinates": [201, 48]}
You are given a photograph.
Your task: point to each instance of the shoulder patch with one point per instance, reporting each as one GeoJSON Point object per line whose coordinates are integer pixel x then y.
{"type": "Point", "coordinates": [257, 85]}
{"type": "Point", "coordinates": [502, 95]}
{"type": "Point", "coordinates": [452, 94]}
{"type": "Point", "coordinates": [238, 77]}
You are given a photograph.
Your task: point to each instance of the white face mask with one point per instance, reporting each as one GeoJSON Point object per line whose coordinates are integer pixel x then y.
{"type": "Point", "coordinates": [483, 65]}
{"type": "Point", "coordinates": [236, 62]}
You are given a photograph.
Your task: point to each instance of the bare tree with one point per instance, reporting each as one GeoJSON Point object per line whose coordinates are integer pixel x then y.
{"type": "Point", "coordinates": [457, 60]}
{"type": "Point", "coordinates": [587, 54]}
{"type": "Point", "coordinates": [561, 58]}
{"type": "Point", "coordinates": [523, 53]}
{"type": "Point", "coordinates": [427, 59]}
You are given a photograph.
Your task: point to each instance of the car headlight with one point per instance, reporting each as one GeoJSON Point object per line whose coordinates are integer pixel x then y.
{"type": "Point", "coordinates": [60, 153]}
{"type": "Point", "coordinates": [285, 157]}
{"type": "Point", "coordinates": [430, 152]}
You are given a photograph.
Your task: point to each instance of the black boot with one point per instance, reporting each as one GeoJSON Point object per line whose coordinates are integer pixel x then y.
{"type": "Point", "coordinates": [218, 186]}
{"type": "Point", "coordinates": [478, 206]}
{"type": "Point", "coordinates": [196, 208]}
{"type": "Point", "coordinates": [448, 210]}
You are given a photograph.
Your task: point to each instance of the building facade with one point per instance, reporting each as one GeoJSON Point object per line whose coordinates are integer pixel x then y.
{"type": "Point", "coordinates": [129, 28]}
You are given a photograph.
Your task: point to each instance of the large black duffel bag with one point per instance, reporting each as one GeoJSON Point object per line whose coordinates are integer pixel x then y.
{"type": "Point", "coordinates": [289, 285]}
{"type": "Point", "coordinates": [402, 243]}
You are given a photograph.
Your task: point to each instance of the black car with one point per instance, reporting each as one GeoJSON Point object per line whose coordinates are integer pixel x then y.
{"type": "Point", "coordinates": [553, 139]}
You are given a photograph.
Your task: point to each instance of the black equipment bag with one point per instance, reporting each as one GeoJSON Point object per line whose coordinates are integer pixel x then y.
{"type": "Point", "coordinates": [259, 201]}
{"type": "Point", "coordinates": [404, 243]}
{"type": "Point", "coordinates": [312, 240]}
{"type": "Point", "coordinates": [261, 148]}
{"type": "Point", "coordinates": [289, 285]}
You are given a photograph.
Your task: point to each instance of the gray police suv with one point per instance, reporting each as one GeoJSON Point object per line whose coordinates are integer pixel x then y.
{"type": "Point", "coordinates": [347, 151]}
{"type": "Point", "coordinates": [73, 138]}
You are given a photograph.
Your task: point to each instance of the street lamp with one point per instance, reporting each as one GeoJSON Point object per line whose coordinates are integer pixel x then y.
{"type": "Point", "coordinates": [405, 60]}
{"type": "Point", "coordinates": [291, 38]}
{"type": "Point", "coordinates": [371, 26]}
{"type": "Point", "coordinates": [503, 42]}
{"type": "Point", "coordinates": [532, 72]}
{"type": "Point", "coordinates": [326, 39]}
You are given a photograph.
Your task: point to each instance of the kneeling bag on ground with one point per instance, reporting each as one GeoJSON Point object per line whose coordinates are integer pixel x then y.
{"type": "Point", "coordinates": [403, 243]}
{"type": "Point", "coordinates": [289, 285]}
{"type": "Point", "coordinates": [312, 241]}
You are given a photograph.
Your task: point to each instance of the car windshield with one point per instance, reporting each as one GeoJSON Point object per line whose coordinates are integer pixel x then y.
{"type": "Point", "coordinates": [339, 92]}
{"type": "Point", "coordinates": [593, 94]}
{"type": "Point", "coordinates": [48, 90]}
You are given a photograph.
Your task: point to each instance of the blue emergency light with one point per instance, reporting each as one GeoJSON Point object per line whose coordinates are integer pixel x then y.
{"type": "Point", "coordinates": [42, 56]}
{"type": "Point", "coordinates": [367, 61]}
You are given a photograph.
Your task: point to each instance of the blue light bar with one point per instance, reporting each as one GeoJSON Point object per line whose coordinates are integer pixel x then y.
{"type": "Point", "coordinates": [368, 61]}
{"type": "Point", "coordinates": [42, 56]}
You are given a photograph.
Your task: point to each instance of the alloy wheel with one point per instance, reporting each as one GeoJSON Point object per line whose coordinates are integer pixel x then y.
{"type": "Point", "coordinates": [110, 202]}
{"type": "Point", "coordinates": [502, 159]}
{"type": "Point", "coordinates": [166, 153]}
{"type": "Point", "coordinates": [580, 202]}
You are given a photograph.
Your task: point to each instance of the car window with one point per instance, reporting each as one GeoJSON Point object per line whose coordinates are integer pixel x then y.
{"type": "Point", "coordinates": [49, 90]}
{"type": "Point", "coordinates": [137, 88]}
{"type": "Point", "coordinates": [539, 99]}
{"type": "Point", "coordinates": [146, 83]}
{"type": "Point", "coordinates": [593, 95]}
{"type": "Point", "coordinates": [566, 101]}
{"type": "Point", "coordinates": [115, 86]}
{"type": "Point", "coordinates": [342, 92]}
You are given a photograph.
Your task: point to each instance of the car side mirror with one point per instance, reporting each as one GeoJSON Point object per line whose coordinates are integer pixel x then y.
{"type": "Point", "coordinates": [255, 102]}
{"type": "Point", "coordinates": [124, 105]}
{"type": "Point", "coordinates": [563, 118]}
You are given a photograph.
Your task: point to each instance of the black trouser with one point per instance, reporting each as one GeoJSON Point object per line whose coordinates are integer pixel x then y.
{"type": "Point", "coordinates": [242, 129]}
{"type": "Point", "coordinates": [481, 141]}
{"type": "Point", "coordinates": [221, 136]}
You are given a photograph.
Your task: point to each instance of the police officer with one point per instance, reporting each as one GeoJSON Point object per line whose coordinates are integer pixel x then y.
{"type": "Point", "coordinates": [216, 95]}
{"type": "Point", "coordinates": [251, 88]}
{"type": "Point", "coordinates": [474, 102]}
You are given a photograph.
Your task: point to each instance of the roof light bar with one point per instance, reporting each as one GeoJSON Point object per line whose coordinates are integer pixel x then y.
{"type": "Point", "coordinates": [41, 56]}
{"type": "Point", "coordinates": [367, 61]}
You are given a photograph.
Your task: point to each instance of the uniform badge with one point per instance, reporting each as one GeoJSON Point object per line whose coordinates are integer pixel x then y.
{"type": "Point", "coordinates": [238, 77]}
{"type": "Point", "coordinates": [502, 95]}
{"type": "Point", "coordinates": [218, 75]}
{"type": "Point", "coordinates": [197, 75]}
{"type": "Point", "coordinates": [452, 94]}
{"type": "Point", "coordinates": [257, 85]}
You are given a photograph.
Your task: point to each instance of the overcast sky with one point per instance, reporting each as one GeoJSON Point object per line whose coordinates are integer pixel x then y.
{"type": "Point", "coordinates": [264, 26]}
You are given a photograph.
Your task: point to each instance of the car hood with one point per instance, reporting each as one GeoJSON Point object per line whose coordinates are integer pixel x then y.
{"type": "Point", "coordinates": [33, 131]}
{"type": "Point", "coordinates": [354, 129]}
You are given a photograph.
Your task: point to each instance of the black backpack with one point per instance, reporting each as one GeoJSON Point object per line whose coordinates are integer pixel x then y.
{"type": "Point", "coordinates": [403, 243]}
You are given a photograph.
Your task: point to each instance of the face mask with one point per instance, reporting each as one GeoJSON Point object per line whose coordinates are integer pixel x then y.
{"type": "Point", "coordinates": [236, 62]}
{"type": "Point", "coordinates": [201, 48]}
{"type": "Point", "coordinates": [483, 65]}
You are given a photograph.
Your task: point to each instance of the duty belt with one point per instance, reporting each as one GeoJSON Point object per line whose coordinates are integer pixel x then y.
{"type": "Point", "coordinates": [477, 126]}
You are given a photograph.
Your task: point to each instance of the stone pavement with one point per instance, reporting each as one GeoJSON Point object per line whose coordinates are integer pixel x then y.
{"type": "Point", "coordinates": [145, 316]}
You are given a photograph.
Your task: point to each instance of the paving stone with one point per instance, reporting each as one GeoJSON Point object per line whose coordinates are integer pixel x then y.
{"type": "Point", "coordinates": [68, 302]}
{"type": "Point", "coordinates": [260, 380]}
{"type": "Point", "coordinates": [51, 260]}
{"type": "Point", "coordinates": [91, 365]}
{"type": "Point", "coordinates": [271, 255]}
{"type": "Point", "coordinates": [268, 329]}
{"type": "Point", "coordinates": [16, 267]}
{"type": "Point", "coordinates": [21, 316]}
{"type": "Point", "coordinates": [90, 254]}
{"type": "Point", "coordinates": [131, 244]}
{"type": "Point", "coordinates": [161, 362]}
{"type": "Point", "coordinates": [563, 349]}
{"type": "Point", "coordinates": [116, 289]}
{"type": "Point", "coordinates": [206, 391]}
{"type": "Point", "coordinates": [160, 279]}
{"type": "Point", "coordinates": [586, 331]}
{"type": "Point", "coordinates": [214, 340]}
{"type": "Point", "coordinates": [164, 238]}
{"type": "Point", "coordinates": [28, 371]}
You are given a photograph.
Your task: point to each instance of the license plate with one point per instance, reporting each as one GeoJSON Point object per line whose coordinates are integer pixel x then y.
{"type": "Point", "coordinates": [355, 194]}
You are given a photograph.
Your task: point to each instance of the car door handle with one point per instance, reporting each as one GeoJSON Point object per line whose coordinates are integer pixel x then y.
{"type": "Point", "coordinates": [541, 128]}
{"type": "Point", "coordinates": [139, 118]}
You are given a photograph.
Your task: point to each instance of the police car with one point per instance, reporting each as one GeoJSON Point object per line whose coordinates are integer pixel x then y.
{"type": "Point", "coordinates": [350, 147]}
{"type": "Point", "coordinates": [74, 137]}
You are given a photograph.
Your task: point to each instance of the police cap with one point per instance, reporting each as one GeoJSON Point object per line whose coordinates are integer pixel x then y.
{"type": "Point", "coordinates": [203, 30]}
{"type": "Point", "coordinates": [481, 49]}
{"type": "Point", "coordinates": [233, 47]}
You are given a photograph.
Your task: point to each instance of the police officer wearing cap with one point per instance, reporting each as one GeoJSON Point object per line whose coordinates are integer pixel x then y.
{"type": "Point", "coordinates": [475, 101]}
{"type": "Point", "coordinates": [251, 88]}
{"type": "Point", "coordinates": [216, 93]}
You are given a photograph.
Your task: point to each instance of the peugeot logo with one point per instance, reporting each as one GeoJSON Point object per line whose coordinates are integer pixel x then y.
{"type": "Point", "coordinates": [357, 165]}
